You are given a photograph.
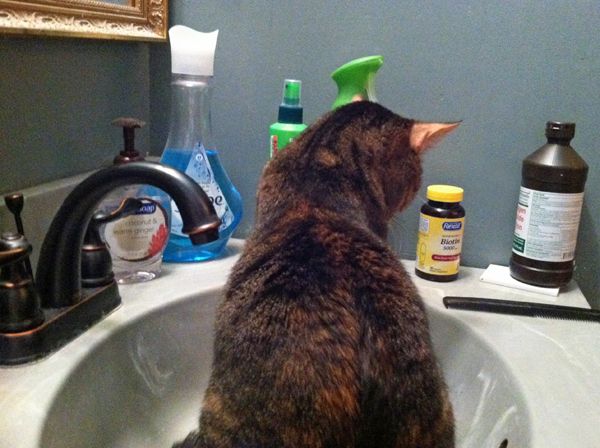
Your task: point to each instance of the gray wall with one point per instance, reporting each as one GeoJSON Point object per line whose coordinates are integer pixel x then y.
{"type": "Point", "coordinates": [502, 67]}
{"type": "Point", "coordinates": [505, 68]}
{"type": "Point", "coordinates": [58, 99]}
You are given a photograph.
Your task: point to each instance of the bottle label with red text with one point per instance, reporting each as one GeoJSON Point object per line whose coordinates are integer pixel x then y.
{"type": "Point", "coordinates": [439, 245]}
{"type": "Point", "coordinates": [139, 236]}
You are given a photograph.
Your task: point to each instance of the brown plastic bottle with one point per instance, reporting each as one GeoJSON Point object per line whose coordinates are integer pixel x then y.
{"type": "Point", "coordinates": [549, 210]}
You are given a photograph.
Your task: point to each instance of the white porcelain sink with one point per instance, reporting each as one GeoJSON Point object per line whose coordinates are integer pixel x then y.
{"type": "Point", "coordinates": [149, 376]}
{"type": "Point", "coordinates": [147, 383]}
{"type": "Point", "coordinates": [137, 378]}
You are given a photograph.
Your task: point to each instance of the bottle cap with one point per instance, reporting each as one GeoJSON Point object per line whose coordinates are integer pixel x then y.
{"type": "Point", "coordinates": [560, 130]}
{"type": "Point", "coordinates": [445, 193]}
{"type": "Point", "coordinates": [290, 110]}
{"type": "Point", "coordinates": [192, 52]}
{"type": "Point", "coordinates": [356, 80]}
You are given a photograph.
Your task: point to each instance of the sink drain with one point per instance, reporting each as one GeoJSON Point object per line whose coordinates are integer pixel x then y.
{"type": "Point", "coordinates": [504, 444]}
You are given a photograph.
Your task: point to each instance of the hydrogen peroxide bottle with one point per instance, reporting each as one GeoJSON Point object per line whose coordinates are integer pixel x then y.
{"type": "Point", "coordinates": [190, 148]}
{"type": "Point", "coordinates": [549, 210]}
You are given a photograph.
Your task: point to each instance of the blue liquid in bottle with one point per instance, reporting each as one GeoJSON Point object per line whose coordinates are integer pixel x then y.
{"type": "Point", "coordinates": [223, 195]}
{"type": "Point", "coordinates": [189, 149]}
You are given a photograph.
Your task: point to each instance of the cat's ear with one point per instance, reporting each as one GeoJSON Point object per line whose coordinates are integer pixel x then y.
{"type": "Point", "coordinates": [424, 135]}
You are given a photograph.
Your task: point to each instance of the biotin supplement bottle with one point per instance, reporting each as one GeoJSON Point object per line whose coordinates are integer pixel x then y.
{"type": "Point", "coordinates": [441, 226]}
{"type": "Point", "coordinates": [549, 210]}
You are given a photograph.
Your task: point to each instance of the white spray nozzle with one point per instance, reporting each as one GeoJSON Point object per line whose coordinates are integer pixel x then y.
{"type": "Point", "coordinates": [192, 52]}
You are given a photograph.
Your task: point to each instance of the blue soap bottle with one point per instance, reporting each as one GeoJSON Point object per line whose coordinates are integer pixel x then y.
{"type": "Point", "coordinates": [190, 147]}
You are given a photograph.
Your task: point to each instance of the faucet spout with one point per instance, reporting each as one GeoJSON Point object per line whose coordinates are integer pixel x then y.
{"type": "Point", "coordinates": [59, 267]}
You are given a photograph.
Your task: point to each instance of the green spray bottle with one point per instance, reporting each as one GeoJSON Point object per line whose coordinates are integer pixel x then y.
{"type": "Point", "coordinates": [356, 80]}
{"type": "Point", "coordinates": [289, 120]}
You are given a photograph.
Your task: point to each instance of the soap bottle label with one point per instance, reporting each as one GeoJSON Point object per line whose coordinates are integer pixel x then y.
{"type": "Point", "coordinates": [439, 245]}
{"type": "Point", "coordinates": [200, 170]}
{"type": "Point", "coordinates": [139, 236]}
{"type": "Point", "coordinates": [546, 225]}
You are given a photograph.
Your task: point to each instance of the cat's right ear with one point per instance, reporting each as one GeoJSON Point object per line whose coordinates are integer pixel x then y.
{"type": "Point", "coordinates": [424, 135]}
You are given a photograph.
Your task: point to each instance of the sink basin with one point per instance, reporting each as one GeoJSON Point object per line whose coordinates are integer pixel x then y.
{"type": "Point", "coordinates": [147, 383]}
{"type": "Point", "coordinates": [136, 379]}
{"type": "Point", "coordinates": [147, 379]}
{"type": "Point", "coordinates": [488, 402]}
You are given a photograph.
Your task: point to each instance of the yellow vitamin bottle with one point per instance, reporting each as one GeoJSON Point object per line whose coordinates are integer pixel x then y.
{"type": "Point", "coordinates": [441, 227]}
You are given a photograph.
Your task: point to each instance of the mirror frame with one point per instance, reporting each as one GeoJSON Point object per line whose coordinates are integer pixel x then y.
{"type": "Point", "coordinates": [144, 20]}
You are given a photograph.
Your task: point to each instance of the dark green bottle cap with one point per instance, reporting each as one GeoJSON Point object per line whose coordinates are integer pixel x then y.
{"type": "Point", "coordinates": [560, 130]}
{"type": "Point", "coordinates": [290, 110]}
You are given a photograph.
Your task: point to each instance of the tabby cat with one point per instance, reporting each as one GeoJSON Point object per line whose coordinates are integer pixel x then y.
{"type": "Point", "coordinates": [321, 339]}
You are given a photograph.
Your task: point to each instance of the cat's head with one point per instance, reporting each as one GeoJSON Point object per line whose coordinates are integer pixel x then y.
{"type": "Point", "coordinates": [361, 154]}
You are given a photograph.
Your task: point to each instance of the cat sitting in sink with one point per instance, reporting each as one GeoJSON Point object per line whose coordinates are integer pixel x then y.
{"type": "Point", "coordinates": [321, 339]}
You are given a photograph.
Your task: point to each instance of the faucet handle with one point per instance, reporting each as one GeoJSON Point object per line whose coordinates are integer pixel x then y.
{"type": "Point", "coordinates": [20, 307]}
{"type": "Point", "coordinates": [13, 248]}
{"type": "Point", "coordinates": [15, 202]}
{"type": "Point", "coordinates": [96, 263]}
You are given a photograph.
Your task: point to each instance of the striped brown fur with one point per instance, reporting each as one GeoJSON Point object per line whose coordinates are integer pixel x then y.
{"type": "Point", "coordinates": [321, 338]}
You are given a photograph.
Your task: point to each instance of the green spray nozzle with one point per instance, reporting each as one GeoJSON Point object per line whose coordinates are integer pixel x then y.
{"type": "Point", "coordinates": [356, 80]}
{"type": "Point", "coordinates": [291, 92]}
{"type": "Point", "coordinates": [290, 110]}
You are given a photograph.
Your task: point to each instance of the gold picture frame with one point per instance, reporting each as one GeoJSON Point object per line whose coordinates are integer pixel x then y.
{"type": "Point", "coordinates": [144, 20]}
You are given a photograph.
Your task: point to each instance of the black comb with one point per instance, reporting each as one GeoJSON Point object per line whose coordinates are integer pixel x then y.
{"type": "Point", "coordinates": [521, 308]}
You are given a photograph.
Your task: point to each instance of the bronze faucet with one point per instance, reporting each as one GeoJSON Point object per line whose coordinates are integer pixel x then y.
{"type": "Point", "coordinates": [67, 307]}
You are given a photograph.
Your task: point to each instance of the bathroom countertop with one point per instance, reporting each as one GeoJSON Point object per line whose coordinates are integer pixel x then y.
{"type": "Point", "coordinates": [556, 363]}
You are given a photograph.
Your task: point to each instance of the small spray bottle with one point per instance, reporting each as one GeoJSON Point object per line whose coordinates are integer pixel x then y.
{"type": "Point", "coordinates": [356, 80]}
{"type": "Point", "coordinates": [289, 120]}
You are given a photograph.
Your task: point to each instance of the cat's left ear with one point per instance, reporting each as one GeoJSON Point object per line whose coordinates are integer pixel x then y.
{"type": "Point", "coordinates": [424, 135]}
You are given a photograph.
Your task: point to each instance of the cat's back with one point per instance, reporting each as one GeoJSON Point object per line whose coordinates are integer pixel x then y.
{"type": "Point", "coordinates": [324, 328]}
{"type": "Point", "coordinates": [317, 251]}
{"type": "Point", "coordinates": [321, 339]}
